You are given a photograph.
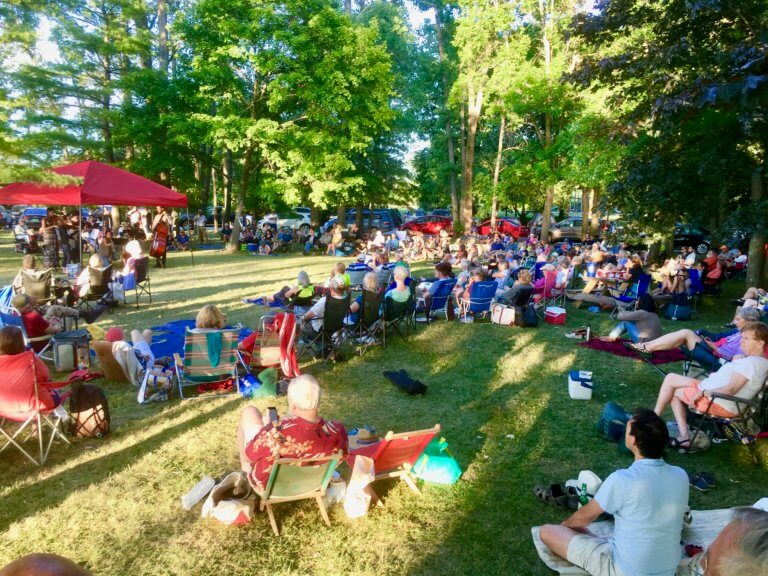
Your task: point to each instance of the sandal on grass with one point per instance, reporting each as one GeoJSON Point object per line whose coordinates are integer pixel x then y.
{"type": "Point", "coordinates": [681, 446]}
{"type": "Point", "coordinates": [637, 347]}
{"type": "Point", "coordinates": [554, 494]}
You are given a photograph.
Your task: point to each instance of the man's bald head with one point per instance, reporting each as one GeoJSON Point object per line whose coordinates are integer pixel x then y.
{"type": "Point", "coordinates": [43, 565]}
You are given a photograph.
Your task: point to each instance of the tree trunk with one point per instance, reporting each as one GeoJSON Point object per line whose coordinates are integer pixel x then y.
{"type": "Point", "coordinates": [227, 173]}
{"type": "Point", "coordinates": [234, 242]}
{"type": "Point", "coordinates": [162, 33]}
{"type": "Point", "coordinates": [359, 216]}
{"type": "Point", "coordinates": [115, 213]}
{"type": "Point", "coordinates": [585, 214]}
{"type": "Point", "coordinates": [594, 203]}
{"type": "Point", "coordinates": [448, 127]}
{"type": "Point", "coordinates": [341, 215]}
{"type": "Point", "coordinates": [314, 214]}
{"type": "Point", "coordinates": [757, 242]}
{"type": "Point", "coordinates": [474, 107]}
{"type": "Point", "coordinates": [497, 171]}
{"type": "Point", "coordinates": [215, 201]}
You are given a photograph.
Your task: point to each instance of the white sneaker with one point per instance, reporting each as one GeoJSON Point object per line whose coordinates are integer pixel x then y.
{"type": "Point", "coordinates": [61, 413]}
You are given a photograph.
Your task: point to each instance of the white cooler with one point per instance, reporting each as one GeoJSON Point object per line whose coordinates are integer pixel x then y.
{"type": "Point", "coordinates": [580, 385]}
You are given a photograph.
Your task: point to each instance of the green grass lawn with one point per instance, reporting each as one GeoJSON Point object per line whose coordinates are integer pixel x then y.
{"type": "Point", "coordinates": [499, 393]}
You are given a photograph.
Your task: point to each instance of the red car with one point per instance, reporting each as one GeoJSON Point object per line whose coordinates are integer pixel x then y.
{"type": "Point", "coordinates": [504, 226]}
{"type": "Point", "coordinates": [429, 224]}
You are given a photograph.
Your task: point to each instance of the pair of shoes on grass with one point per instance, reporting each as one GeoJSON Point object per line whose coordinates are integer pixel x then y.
{"type": "Point", "coordinates": [702, 481]}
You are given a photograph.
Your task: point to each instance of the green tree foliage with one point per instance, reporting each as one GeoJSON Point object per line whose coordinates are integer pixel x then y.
{"type": "Point", "coordinates": [688, 79]}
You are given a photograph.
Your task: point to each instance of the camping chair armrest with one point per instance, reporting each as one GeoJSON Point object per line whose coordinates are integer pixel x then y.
{"type": "Point", "coordinates": [735, 399]}
{"type": "Point", "coordinates": [40, 338]}
{"type": "Point", "coordinates": [178, 361]}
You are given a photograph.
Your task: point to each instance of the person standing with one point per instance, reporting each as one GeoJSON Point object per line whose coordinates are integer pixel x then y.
{"type": "Point", "coordinates": [200, 227]}
{"type": "Point", "coordinates": [49, 230]}
{"type": "Point", "coordinates": [648, 501]}
{"type": "Point", "coordinates": [161, 229]}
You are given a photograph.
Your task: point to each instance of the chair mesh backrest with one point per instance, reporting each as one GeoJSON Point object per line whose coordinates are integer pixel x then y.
{"type": "Point", "coordinates": [443, 292]}
{"type": "Point", "coordinates": [537, 271]}
{"type": "Point", "coordinates": [99, 281]}
{"type": "Point", "coordinates": [9, 318]}
{"type": "Point", "coordinates": [480, 296]}
{"type": "Point", "coordinates": [357, 273]}
{"type": "Point", "coordinates": [523, 296]}
{"type": "Point", "coordinates": [198, 349]}
{"type": "Point", "coordinates": [394, 310]}
{"type": "Point", "coordinates": [141, 269]}
{"type": "Point", "coordinates": [550, 281]}
{"type": "Point", "coordinates": [336, 309]}
{"type": "Point", "coordinates": [695, 277]}
{"type": "Point", "coordinates": [384, 275]}
{"type": "Point", "coordinates": [371, 307]}
{"type": "Point", "coordinates": [294, 479]}
{"type": "Point", "coordinates": [37, 285]}
{"type": "Point", "coordinates": [401, 451]}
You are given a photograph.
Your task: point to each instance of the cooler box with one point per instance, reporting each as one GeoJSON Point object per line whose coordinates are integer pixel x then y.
{"type": "Point", "coordinates": [73, 271]}
{"type": "Point", "coordinates": [554, 315]}
{"type": "Point", "coordinates": [591, 269]}
{"type": "Point", "coordinates": [580, 385]}
{"type": "Point", "coordinates": [253, 247]}
{"type": "Point", "coordinates": [71, 350]}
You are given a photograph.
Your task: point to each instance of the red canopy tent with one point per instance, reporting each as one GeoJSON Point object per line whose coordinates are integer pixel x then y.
{"type": "Point", "coordinates": [102, 184]}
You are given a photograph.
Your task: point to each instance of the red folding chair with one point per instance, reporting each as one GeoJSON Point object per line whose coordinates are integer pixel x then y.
{"type": "Point", "coordinates": [395, 454]}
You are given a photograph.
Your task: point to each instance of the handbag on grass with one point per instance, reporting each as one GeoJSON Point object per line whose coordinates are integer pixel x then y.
{"type": "Point", "coordinates": [437, 464]}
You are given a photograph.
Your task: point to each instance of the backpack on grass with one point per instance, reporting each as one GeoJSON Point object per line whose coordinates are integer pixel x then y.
{"type": "Point", "coordinates": [89, 412]}
{"type": "Point", "coordinates": [613, 424]}
{"type": "Point", "coordinates": [679, 308]}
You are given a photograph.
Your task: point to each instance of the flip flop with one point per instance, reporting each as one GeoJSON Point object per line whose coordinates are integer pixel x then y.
{"type": "Point", "coordinates": [681, 446]}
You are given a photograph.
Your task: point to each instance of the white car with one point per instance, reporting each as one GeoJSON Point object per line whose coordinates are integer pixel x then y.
{"type": "Point", "coordinates": [293, 220]}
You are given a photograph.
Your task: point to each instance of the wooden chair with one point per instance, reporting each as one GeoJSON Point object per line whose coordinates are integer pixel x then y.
{"type": "Point", "coordinates": [298, 479]}
{"type": "Point", "coordinates": [395, 454]}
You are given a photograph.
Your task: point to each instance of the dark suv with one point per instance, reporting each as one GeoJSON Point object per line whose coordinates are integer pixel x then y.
{"type": "Point", "coordinates": [385, 219]}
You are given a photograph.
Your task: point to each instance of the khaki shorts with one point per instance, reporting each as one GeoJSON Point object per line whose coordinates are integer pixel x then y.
{"type": "Point", "coordinates": [592, 554]}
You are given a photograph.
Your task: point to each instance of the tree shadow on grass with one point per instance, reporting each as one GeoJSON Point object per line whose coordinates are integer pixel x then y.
{"type": "Point", "coordinates": [49, 492]}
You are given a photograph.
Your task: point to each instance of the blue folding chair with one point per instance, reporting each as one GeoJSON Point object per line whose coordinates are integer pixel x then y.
{"type": "Point", "coordinates": [440, 300]}
{"type": "Point", "coordinates": [481, 297]}
{"type": "Point", "coordinates": [631, 295]}
{"type": "Point", "coordinates": [537, 272]}
{"type": "Point", "coordinates": [11, 317]}
{"type": "Point", "coordinates": [696, 288]}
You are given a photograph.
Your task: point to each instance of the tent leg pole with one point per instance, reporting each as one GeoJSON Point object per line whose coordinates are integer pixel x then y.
{"type": "Point", "coordinates": [80, 234]}
{"type": "Point", "coordinates": [189, 243]}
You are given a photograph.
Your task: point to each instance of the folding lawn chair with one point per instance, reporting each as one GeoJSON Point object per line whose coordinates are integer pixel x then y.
{"type": "Point", "coordinates": [369, 323]}
{"type": "Point", "coordinates": [21, 407]}
{"type": "Point", "coordinates": [537, 271]}
{"type": "Point", "coordinates": [273, 346]}
{"type": "Point", "coordinates": [396, 317]}
{"type": "Point", "coordinates": [37, 285]}
{"type": "Point", "coordinates": [298, 479]}
{"type": "Point", "coordinates": [741, 428]}
{"type": "Point", "coordinates": [11, 317]}
{"type": "Point", "coordinates": [334, 332]}
{"type": "Point", "coordinates": [384, 275]}
{"type": "Point", "coordinates": [628, 299]}
{"type": "Point", "coordinates": [357, 272]}
{"type": "Point", "coordinates": [209, 363]}
{"type": "Point", "coordinates": [696, 289]}
{"type": "Point", "coordinates": [98, 287]}
{"type": "Point", "coordinates": [440, 301]}
{"type": "Point", "coordinates": [395, 455]}
{"type": "Point", "coordinates": [138, 281]}
{"type": "Point", "coordinates": [481, 296]}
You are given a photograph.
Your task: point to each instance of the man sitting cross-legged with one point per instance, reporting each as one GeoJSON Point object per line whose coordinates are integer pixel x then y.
{"type": "Point", "coordinates": [648, 501]}
{"type": "Point", "coordinates": [300, 434]}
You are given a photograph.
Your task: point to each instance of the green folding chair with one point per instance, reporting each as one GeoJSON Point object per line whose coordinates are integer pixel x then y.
{"type": "Point", "coordinates": [299, 479]}
{"type": "Point", "coordinates": [210, 359]}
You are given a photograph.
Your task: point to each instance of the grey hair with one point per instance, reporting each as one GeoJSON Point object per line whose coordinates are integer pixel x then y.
{"type": "Point", "coordinates": [303, 279]}
{"type": "Point", "coordinates": [400, 273]}
{"type": "Point", "coordinates": [338, 284]}
{"type": "Point", "coordinates": [304, 392]}
{"type": "Point", "coordinates": [370, 282]}
{"type": "Point", "coordinates": [750, 314]}
{"type": "Point", "coordinates": [750, 555]}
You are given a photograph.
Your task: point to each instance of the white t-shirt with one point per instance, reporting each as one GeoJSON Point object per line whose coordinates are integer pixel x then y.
{"type": "Point", "coordinates": [741, 259]}
{"type": "Point", "coordinates": [690, 259]}
{"type": "Point", "coordinates": [754, 368]}
{"type": "Point", "coordinates": [200, 220]}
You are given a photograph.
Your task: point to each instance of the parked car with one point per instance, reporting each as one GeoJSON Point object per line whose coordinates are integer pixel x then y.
{"type": "Point", "coordinates": [509, 226]}
{"type": "Point", "coordinates": [413, 214]}
{"type": "Point", "coordinates": [384, 219]}
{"type": "Point", "coordinates": [446, 212]}
{"type": "Point", "coordinates": [303, 210]}
{"type": "Point", "coordinates": [182, 222]}
{"type": "Point", "coordinates": [33, 216]}
{"type": "Point", "coordinates": [690, 235]}
{"type": "Point", "coordinates": [536, 222]}
{"type": "Point", "coordinates": [429, 224]}
{"type": "Point", "coordinates": [569, 229]}
{"type": "Point", "coordinates": [291, 219]}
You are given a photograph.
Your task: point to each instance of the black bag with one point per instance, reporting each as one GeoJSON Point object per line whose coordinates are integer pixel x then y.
{"type": "Point", "coordinates": [529, 317]}
{"type": "Point", "coordinates": [89, 412]}
{"type": "Point", "coordinates": [761, 415]}
{"type": "Point", "coordinates": [679, 308]}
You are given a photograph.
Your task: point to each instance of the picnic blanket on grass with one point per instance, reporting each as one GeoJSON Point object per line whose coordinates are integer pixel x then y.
{"type": "Point", "coordinates": [169, 338]}
{"type": "Point", "coordinates": [704, 528]}
{"type": "Point", "coordinates": [617, 348]}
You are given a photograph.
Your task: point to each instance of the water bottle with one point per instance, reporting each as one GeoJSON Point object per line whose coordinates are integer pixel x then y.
{"type": "Point", "coordinates": [583, 496]}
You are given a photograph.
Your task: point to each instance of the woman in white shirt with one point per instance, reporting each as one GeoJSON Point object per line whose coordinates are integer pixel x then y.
{"type": "Point", "coordinates": [744, 377]}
